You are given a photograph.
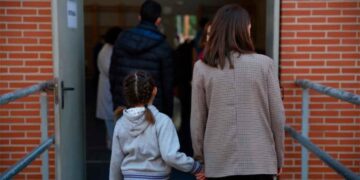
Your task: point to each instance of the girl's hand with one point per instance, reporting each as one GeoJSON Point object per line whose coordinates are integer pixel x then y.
{"type": "Point", "coordinates": [200, 175]}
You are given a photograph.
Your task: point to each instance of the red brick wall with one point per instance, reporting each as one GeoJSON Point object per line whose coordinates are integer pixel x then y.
{"type": "Point", "coordinates": [320, 41]}
{"type": "Point", "coordinates": [25, 59]}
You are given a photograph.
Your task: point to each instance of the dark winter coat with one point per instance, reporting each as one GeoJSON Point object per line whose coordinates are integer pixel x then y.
{"type": "Point", "coordinates": [143, 48]}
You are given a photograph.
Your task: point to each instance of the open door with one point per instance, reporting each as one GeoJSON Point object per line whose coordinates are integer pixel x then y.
{"type": "Point", "coordinates": [68, 55]}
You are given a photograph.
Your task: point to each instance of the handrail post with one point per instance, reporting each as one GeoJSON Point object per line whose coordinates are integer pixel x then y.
{"type": "Point", "coordinates": [305, 133]}
{"type": "Point", "coordinates": [44, 133]}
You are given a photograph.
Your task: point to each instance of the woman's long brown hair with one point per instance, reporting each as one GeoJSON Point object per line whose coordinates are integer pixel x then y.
{"type": "Point", "coordinates": [229, 33]}
{"type": "Point", "coordinates": [137, 90]}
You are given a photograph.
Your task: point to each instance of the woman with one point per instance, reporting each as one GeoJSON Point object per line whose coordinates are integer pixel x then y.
{"type": "Point", "coordinates": [104, 106]}
{"type": "Point", "coordinates": [237, 115]}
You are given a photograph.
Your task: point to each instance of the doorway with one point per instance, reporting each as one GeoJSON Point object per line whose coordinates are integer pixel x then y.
{"type": "Point", "coordinates": [98, 16]}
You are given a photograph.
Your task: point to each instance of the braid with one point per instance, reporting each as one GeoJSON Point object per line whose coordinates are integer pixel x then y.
{"type": "Point", "coordinates": [137, 90]}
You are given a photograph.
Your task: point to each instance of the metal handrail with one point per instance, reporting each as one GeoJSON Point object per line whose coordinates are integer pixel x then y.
{"type": "Point", "coordinates": [333, 92]}
{"type": "Point", "coordinates": [11, 172]}
{"type": "Point", "coordinates": [6, 98]}
{"type": "Point", "coordinates": [334, 164]}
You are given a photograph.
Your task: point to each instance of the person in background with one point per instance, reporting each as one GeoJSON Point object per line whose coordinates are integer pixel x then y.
{"type": "Point", "coordinates": [145, 143]}
{"type": "Point", "coordinates": [144, 48]}
{"type": "Point", "coordinates": [104, 105]}
{"type": "Point", "coordinates": [237, 115]}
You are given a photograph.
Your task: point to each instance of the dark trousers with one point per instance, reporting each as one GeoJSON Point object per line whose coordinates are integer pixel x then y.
{"type": "Point", "coordinates": [246, 177]}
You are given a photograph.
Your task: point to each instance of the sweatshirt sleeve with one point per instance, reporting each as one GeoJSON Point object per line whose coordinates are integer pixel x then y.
{"type": "Point", "coordinates": [169, 149]}
{"type": "Point", "coordinates": [117, 157]}
{"type": "Point", "coordinates": [277, 114]}
{"type": "Point", "coordinates": [198, 114]}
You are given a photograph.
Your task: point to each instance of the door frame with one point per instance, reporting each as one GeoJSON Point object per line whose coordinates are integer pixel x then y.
{"type": "Point", "coordinates": [273, 31]}
{"type": "Point", "coordinates": [60, 156]}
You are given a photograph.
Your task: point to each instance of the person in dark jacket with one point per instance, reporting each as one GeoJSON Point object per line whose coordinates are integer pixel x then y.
{"type": "Point", "coordinates": [144, 48]}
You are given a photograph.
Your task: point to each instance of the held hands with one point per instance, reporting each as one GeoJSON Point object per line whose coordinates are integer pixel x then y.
{"type": "Point", "coordinates": [200, 175]}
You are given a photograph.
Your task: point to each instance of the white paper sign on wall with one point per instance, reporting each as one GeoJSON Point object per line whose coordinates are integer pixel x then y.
{"type": "Point", "coordinates": [72, 14]}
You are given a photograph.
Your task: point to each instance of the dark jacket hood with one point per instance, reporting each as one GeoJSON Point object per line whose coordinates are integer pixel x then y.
{"type": "Point", "coordinates": [141, 39]}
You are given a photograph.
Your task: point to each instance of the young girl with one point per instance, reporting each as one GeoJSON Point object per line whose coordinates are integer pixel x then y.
{"type": "Point", "coordinates": [145, 143]}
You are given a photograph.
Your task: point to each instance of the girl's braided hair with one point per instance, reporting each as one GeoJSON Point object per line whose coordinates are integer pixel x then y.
{"type": "Point", "coordinates": [137, 90]}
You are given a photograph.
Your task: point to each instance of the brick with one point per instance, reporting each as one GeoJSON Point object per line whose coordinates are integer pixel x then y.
{"type": "Point", "coordinates": [342, 34]}
{"type": "Point", "coordinates": [350, 85]}
{"type": "Point", "coordinates": [311, 20]}
{"type": "Point", "coordinates": [37, 19]}
{"type": "Point", "coordinates": [25, 127]}
{"type": "Point", "coordinates": [351, 41]}
{"type": "Point", "coordinates": [325, 27]}
{"type": "Point", "coordinates": [38, 63]}
{"type": "Point", "coordinates": [10, 135]}
{"type": "Point", "coordinates": [22, 26]}
{"type": "Point", "coordinates": [340, 63]}
{"type": "Point", "coordinates": [351, 12]}
{"type": "Point", "coordinates": [338, 148]}
{"type": "Point", "coordinates": [310, 34]}
{"type": "Point", "coordinates": [325, 41]}
{"type": "Point", "coordinates": [11, 77]}
{"type": "Point", "coordinates": [294, 41]}
{"type": "Point", "coordinates": [351, 128]}
{"type": "Point", "coordinates": [294, 56]}
{"type": "Point", "coordinates": [25, 113]}
{"type": "Point", "coordinates": [295, 70]}
{"type": "Point", "coordinates": [10, 4]}
{"type": "Point", "coordinates": [311, 5]}
{"type": "Point", "coordinates": [46, 41]}
{"type": "Point", "coordinates": [311, 48]}
{"type": "Point", "coordinates": [37, 4]}
{"type": "Point", "coordinates": [46, 56]}
{"type": "Point", "coordinates": [287, 49]}
{"type": "Point", "coordinates": [341, 78]}
{"type": "Point", "coordinates": [24, 70]}
{"type": "Point", "coordinates": [25, 141]}
{"type": "Point", "coordinates": [38, 77]}
{"type": "Point", "coordinates": [325, 56]}
{"type": "Point", "coordinates": [10, 19]}
{"type": "Point", "coordinates": [325, 70]}
{"type": "Point", "coordinates": [45, 26]}
{"type": "Point", "coordinates": [341, 106]}
{"type": "Point", "coordinates": [295, 12]}
{"type": "Point", "coordinates": [287, 34]}
{"type": "Point", "coordinates": [10, 48]}
{"type": "Point", "coordinates": [324, 113]}
{"type": "Point", "coordinates": [21, 11]}
{"type": "Point", "coordinates": [295, 27]}
{"type": "Point", "coordinates": [38, 34]}
{"type": "Point", "coordinates": [341, 48]}
{"type": "Point", "coordinates": [310, 63]}
{"type": "Point", "coordinates": [38, 48]}
{"type": "Point", "coordinates": [351, 70]}
{"type": "Point", "coordinates": [22, 40]}
{"type": "Point", "coordinates": [351, 27]}
{"type": "Point", "coordinates": [351, 113]}
{"type": "Point", "coordinates": [10, 33]}
{"type": "Point", "coordinates": [284, 20]}
{"type": "Point", "coordinates": [23, 55]}
{"type": "Point", "coordinates": [311, 77]}
{"type": "Point", "coordinates": [342, 4]}
{"type": "Point", "coordinates": [44, 12]}
{"type": "Point", "coordinates": [341, 19]}
{"type": "Point", "coordinates": [326, 12]}
{"type": "Point", "coordinates": [285, 5]}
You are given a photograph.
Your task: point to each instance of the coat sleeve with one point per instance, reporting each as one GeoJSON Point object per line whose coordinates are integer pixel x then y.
{"type": "Point", "coordinates": [167, 82]}
{"type": "Point", "coordinates": [277, 114]}
{"type": "Point", "coordinates": [169, 149]}
{"type": "Point", "coordinates": [117, 157]}
{"type": "Point", "coordinates": [199, 111]}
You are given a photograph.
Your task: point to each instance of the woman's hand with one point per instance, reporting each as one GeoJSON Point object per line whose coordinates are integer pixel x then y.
{"type": "Point", "coordinates": [279, 171]}
{"type": "Point", "coordinates": [200, 175]}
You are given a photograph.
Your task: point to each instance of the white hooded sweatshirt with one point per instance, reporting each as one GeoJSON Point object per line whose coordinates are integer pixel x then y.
{"type": "Point", "coordinates": [141, 150]}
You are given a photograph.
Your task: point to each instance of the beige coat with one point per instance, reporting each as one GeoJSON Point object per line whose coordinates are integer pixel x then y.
{"type": "Point", "coordinates": [237, 117]}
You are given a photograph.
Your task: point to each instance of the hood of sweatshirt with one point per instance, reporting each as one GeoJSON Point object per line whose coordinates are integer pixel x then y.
{"type": "Point", "coordinates": [134, 120]}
